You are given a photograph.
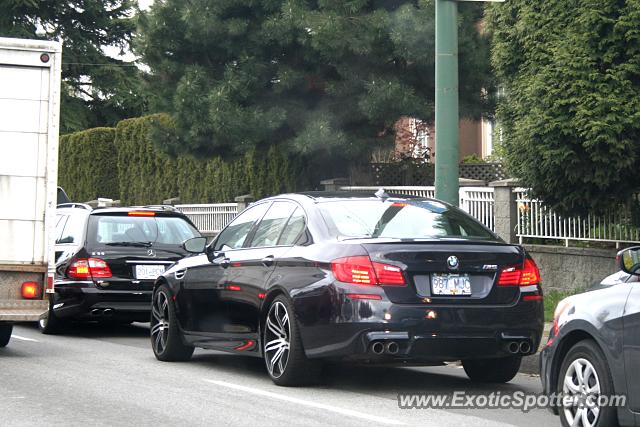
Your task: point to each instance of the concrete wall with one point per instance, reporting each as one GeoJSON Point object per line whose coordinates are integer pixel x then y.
{"type": "Point", "coordinates": [572, 268]}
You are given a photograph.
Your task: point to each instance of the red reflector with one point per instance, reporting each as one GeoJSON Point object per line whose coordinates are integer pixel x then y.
{"type": "Point", "coordinates": [262, 296]}
{"type": "Point", "coordinates": [245, 346]}
{"type": "Point", "coordinates": [364, 296]}
{"type": "Point", "coordinates": [49, 283]}
{"type": "Point", "coordinates": [89, 268]}
{"type": "Point", "coordinates": [398, 205]}
{"type": "Point", "coordinates": [141, 213]}
{"type": "Point", "coordinates": [533, 297]}
{"type": "Point", "coordinates": [236, 264]}
{"type": "Point", "coordinates": [360, 270]}
{"type": "Point", "coordinates": [233, 288]}
{"type": "Point", "coordinates": [526, 275]}
{"type": "Point", "coordinates": [30, 290]}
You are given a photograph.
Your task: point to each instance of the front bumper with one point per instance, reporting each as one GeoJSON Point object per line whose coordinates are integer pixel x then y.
{"type": "Point", "coordinates": [425, 333]}
{"type": "Point", "coordinates": [86, 301]}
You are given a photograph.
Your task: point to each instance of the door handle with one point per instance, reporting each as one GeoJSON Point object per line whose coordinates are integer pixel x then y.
{"type": "Point", "coordinates": [268, 261]}
{"type": "Point", "coordinates": [226, 262]}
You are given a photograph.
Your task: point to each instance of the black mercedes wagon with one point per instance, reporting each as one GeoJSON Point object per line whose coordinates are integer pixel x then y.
{"type": "Point", "coordinates": [303, 278]}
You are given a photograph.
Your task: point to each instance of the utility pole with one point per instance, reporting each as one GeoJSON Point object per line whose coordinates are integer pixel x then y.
{"type": "Point", "coordinates": [447, 107]}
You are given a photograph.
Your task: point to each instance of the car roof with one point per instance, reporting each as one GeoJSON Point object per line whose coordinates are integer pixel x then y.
{"type": "Point", "coordinates": [325, 196]}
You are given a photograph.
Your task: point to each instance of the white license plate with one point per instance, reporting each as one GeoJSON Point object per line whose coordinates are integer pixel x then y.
{"type": "Point", "coordinates": [146, 272]}
{"type": "Point", "coordinates": [450, 284]}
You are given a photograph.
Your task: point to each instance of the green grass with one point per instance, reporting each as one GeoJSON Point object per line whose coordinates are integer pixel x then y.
{"type": "Point", "coordinates": [551, 300]}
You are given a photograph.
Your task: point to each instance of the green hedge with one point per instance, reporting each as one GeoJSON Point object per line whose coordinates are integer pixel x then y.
{"type": "Point", "coordinates": [141, 174]}
{"type": "Point", "coordinates": [87, 164]}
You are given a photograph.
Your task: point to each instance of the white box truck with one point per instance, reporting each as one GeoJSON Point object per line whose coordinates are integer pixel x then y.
{"type": "Point", "coordinates": [30, 72]}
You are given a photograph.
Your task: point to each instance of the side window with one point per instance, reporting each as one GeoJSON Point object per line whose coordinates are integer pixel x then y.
{"type": "Point", "coordinates": [73, 229]}
{"type": "Point", "coordinates": [293, 229]}
{"type": "Point", "coordinates": [61, 221]}
{"type": "Point", "coordinates": [236, 233]}
{"type": "Point", "coordinates": [272, 224]}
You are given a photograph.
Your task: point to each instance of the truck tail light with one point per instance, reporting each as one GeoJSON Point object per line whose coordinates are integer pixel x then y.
{"type": "Point", "coordinates": [360, 270]}
{"type": "Point", "coordinates": [526, 275]}
{"type": "Point", "coordinates": [84, 268]}
{"type": "Point", "coordinates": [31, 290]}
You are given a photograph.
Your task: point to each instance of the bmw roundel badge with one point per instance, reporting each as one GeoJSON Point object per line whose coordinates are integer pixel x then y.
{"type": "Point", "coordinates": [452, 262]}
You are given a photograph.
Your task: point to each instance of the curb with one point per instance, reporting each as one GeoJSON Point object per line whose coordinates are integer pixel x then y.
{"type": "Point", "coordinates": [531, 364]}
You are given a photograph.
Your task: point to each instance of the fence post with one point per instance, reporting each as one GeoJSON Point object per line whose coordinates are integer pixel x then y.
{"type": "Point", "coordinates": [243, 201]}
{"type": "Point", "coordinates": [334, 184]}
{"type": "Point", "coordinates": [505, 209]}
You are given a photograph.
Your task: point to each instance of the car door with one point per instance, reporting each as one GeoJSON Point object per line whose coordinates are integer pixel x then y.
{"type": "Point", "coordinates": [631, 347]}
{"type": "Point", "coordinates": [251, 266]}
{"type": "Point", "coordinates": [203, 299]}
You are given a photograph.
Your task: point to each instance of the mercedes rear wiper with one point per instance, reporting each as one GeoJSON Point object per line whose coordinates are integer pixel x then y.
{"type": "Point", "coordinates": [136, 244]}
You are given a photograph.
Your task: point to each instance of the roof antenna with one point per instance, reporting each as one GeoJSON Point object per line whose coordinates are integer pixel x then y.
{"type": "Point", "coordinates": [381, 194]}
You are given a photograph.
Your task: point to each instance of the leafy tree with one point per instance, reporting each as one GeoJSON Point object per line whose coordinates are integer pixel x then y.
{"type": "Point", "coordinates": [326, 77]}
{"type": "Point", "coordinates": [97, 89]}
{"type": "Point", "coordinates": [570, 113]}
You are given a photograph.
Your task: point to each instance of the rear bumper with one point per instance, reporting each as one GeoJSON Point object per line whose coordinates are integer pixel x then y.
{"type": "Point", "coordinates": [425, 333]}
{"type": "Point", "coordinates": [92, 303]}
{"type": "Point", "coordinates": [22, 310]}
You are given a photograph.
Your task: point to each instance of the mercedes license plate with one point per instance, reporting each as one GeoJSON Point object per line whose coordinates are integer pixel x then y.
{"type": "Point", "coordinates": [450, 284]}
{"type": "Point", "coordinates": [146, 272]}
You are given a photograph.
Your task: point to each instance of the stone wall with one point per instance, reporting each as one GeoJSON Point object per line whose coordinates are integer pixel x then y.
{"type": "Point", "coordinates": [572, 268]}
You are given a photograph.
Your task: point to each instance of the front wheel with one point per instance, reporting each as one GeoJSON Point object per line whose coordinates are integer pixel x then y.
{"type": "Point", "coordinates": [500, 370]}
{"type": "Point", "coordinates": [166, 340]}
{"type": "Point", "coordinates": [5, 333]}
{"type": "Point", "coordinates": [584, 376]}
{"type": "Point", "coordinates": [284, 355]}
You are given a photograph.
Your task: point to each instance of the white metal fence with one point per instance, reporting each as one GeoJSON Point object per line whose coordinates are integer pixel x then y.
{"type": "Point", "coordinates": [210, 218]}
{"type": "Point", "coordinates": [534, 219]}
{"type": "Point", "coordinates": [537, 221]}
{"type": "Point", "coordinates": [476, 201]}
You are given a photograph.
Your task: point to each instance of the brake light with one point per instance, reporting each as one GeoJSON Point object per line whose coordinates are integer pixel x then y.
{"type": "Point", "coordinates": [141, 213]}
{"type": "Point", "coordinates": [30, 290]}
{"type": "Point", "coordinates": [526, 275]}
{"type": "Point", "coordinates": [360, 270]}
{"type": "Point", "coordinates": [89, 268]}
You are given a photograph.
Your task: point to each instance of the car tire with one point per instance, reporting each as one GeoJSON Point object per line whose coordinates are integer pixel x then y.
{"type": "Point", "coordinates": [166, 339]}
{"type": "Point", "coordinates": [586, 357]}
{"type": "Point", "coordinates": [5, 334]}
{"type": "Point", "coordinates": [281, 335]}
{"type": "Point", "coordinates": [50, 324]}
{"type": "Point", "coordinates": [500, 370]}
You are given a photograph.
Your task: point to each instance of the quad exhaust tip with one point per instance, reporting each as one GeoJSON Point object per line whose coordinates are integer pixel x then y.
{"type": "Point", "coordinates": [514, 347]}
{"type": "Point", "coordinates": [522, 347]}
{"type": "Point", "coordinates": [525, 347]}
{"type": "Point", "coordinates": [392, 347]}
{"type": "Point", "coordinates": [377, 347]}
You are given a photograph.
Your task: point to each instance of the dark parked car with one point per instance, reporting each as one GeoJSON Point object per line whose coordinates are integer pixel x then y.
{"type": "Point", "coordinates": [594, 350]}
{"type": "Point", "coordinates": [302, 278]}
{"type": "Point", "coordinates": [107, 260]}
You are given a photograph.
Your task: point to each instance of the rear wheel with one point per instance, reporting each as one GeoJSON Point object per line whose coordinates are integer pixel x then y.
{"type": "Point", "coordinates": [284, 356]}
{"type": "Point", "coordinates": [500, 370]}
{"type": "Point", "coordinates": [50, 323]}
{"type": "Point", "coordinates": [166, 340]}
{"type": "Point", "coordinates": [5, 333]}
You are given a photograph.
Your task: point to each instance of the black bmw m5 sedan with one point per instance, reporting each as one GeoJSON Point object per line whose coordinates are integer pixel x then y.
{"type": "Point", "coordinates": [303, 278]}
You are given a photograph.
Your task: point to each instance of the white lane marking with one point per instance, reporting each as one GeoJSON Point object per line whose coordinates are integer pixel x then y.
{"type": "Point", "coordinates": [18, 337]}
{"type": "Point", "coordinates": [308, 403]}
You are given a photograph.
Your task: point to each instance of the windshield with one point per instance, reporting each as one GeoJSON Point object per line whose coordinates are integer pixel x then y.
{"type": "Point", "coordinates": [139, 231]}
{"type": "Point", "coordinates": [403, 219]}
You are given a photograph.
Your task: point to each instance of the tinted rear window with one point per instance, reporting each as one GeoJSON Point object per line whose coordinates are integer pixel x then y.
{"type": "Point", "coordinates": [403, 219]}
{"type": "Point", "coordinates": [129, 229]}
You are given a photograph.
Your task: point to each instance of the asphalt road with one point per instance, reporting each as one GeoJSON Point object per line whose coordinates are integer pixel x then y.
{"type": "Point", "coordinates": [97, 375]}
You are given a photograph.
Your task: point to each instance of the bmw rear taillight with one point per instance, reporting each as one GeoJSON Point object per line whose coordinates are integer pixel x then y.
{"type": "Point", "coordinates": [360, 270]}
{"type": "Point", "coordinates": [525, 275]}
{"type": "Point", "coordinates": [83, 268]}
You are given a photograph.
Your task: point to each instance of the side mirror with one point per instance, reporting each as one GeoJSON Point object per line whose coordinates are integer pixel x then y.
{"type": "Point", "coordinates": [629, 260]}
{"type": "Point", "coordinates": [195, 245]}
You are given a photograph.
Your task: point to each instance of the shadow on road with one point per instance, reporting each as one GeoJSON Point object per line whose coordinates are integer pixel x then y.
{"type": "Point", "coordinates": [101, 330]}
